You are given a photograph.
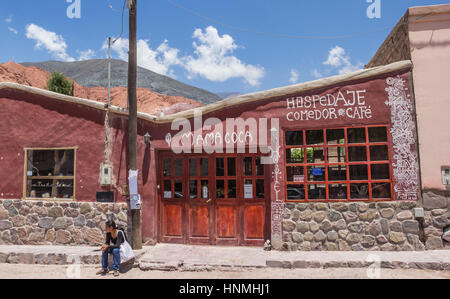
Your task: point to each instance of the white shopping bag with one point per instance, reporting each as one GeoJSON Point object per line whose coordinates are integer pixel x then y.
{"type": "Point", "coordinates": [126, 252]}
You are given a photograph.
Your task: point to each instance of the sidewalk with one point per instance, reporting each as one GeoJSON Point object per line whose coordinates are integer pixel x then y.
{"type": "Point", "coordinates": [171, 257]}
{"type": "Point", "coordinates": [53, 255]}
{"type": "Point", "coordinates": [199, 258]}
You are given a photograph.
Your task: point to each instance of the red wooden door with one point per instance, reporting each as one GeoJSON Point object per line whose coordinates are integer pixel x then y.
{"type": "Point", "coordinates": [172, 199]}
{"type": "Point", "coordinates": [199, 208]}
{"type": "Point", "coordinates": [213, 199]}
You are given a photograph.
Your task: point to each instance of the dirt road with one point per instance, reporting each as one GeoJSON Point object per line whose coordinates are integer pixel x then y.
{"type": "Point", "coordinates": [8, 271]}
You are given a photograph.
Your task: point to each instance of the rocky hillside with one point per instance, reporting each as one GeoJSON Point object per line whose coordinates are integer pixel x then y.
{"type": "Point", "coordinates": [94, 72]}
{"type": "Point", "coordinates": [148, 101]}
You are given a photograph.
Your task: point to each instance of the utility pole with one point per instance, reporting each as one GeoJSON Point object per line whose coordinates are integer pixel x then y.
{"type": "Point", "coordinates": [109, 71]}
{"type": "Point", "coordinates": [132, 118]}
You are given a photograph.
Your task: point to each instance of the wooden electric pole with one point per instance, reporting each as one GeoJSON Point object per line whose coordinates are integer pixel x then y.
{"type": "Point", "coordinates": [132, 118]}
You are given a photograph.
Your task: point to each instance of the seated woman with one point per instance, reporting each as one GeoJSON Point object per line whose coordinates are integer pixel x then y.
{"type": "Point", "coordinates": [116, 237]}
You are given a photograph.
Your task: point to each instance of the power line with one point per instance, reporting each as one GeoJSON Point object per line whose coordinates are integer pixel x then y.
{"type": "Point", "coordinates": [273, 34]}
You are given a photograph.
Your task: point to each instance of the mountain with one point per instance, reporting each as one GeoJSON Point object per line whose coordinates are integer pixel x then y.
{"type": "Point", "coordinates": [148, 101]}
{"type": "Point", "coordinates": [91, 73]}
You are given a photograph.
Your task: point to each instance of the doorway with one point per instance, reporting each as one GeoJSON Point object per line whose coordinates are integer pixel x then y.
{"type": "Point", "coordinates": [218, 199]}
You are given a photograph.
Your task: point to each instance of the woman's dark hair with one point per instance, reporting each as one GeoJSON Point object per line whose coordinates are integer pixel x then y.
{"type": "Point", "coordinates": [111, 223]}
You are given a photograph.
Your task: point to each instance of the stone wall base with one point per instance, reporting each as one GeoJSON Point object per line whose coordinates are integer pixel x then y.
{"type": "Point", "coordinates": [24, 222]}
{"type": "Point", "coordinates": [377, 226]}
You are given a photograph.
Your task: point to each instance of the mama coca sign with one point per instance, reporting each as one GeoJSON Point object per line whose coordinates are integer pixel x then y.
{"type": "Point", "coordinates": [350, 104]}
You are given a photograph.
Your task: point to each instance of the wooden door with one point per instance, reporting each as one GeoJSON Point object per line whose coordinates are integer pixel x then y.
{"type": "Point", "coordinates": [172, 199]}
{"type": "Point", "coordinates": [199, 208]}
{"type": "Point", "coordinates": [213, 199]}
{"type": "Point", "coordinates": [226, 201]}
{"type": "Point", "coordinates": [254, 215]}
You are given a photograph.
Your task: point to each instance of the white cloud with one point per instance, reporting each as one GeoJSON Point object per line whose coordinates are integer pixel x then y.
{"type": "Point", "coordinates": [13, 30]}
{"type": "Point", "coordinates": [294, 76]}
{"type": "Point", "coordinates": [9, 19]}
{"type": "Point", "coordinates": [316, 74]}
{"type": "Point", "coordinates": [86, 55]}
{"type": "Point", "coordinates": [337, 58]}
{"type": "Point", "coordinates": [52, 42]}
{"type": "Point", "coordinates": [159, 61]}
{"type": "Point", "coordinates": [214, 61]}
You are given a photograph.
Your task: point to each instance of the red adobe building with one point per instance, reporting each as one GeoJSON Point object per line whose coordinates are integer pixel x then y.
{"type": "Point", "coordinates": [330, 164]}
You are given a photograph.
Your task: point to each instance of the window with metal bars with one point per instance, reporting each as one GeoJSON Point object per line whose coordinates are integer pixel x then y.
{"type": "Point", "coordinates": [338, 164]}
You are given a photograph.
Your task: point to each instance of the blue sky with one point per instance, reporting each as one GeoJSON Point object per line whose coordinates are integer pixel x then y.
{"type": "Point", "coordinates": [233, 46]}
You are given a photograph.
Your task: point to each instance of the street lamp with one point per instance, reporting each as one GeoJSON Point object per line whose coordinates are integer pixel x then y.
{"type": "Point", "coordinates": [147, 139]}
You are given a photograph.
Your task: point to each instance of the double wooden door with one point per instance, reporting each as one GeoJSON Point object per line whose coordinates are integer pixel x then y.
{"type": "Point", "coordinates": [213, 199]}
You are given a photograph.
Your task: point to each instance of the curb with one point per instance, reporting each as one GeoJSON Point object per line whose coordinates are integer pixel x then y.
{"type": "Point", "coordinates": [436, 266]}
{"type": "Point", "coordinates": [29, 258]}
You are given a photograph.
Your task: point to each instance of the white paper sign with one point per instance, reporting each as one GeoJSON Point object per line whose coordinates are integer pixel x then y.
{"type": "Point", "coordinates": [135, 202]}
{"type": "Point", "coordinates": [133, 182]}
{"type": "Point", "coordinates": [299, 178]}
{"type": "Point", "coordinates": [248, 191]}
{"type": "Point", "coordinates": [205, 192]}
{"type": "Point", "coordinates": [167, 194]}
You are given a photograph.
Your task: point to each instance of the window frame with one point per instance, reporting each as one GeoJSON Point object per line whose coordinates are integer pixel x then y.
{"type": "Point", "coordinates": [25, 177]}
{"type": "Point", "coordinates": [326, 164]}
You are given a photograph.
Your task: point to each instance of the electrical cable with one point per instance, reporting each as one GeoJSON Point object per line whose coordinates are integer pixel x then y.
{"type": "Point", "coordinates": [123, 12]}
{"type": "Point", "coordinates": [273, 34]}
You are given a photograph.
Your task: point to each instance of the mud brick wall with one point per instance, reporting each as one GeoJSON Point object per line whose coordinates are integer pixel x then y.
{"type": "Point", "coordinates": [386, 226]}
{"type": "Point", "coordinates": [396, 47]}
{"type": "Point", "coordinates": [57, 223]}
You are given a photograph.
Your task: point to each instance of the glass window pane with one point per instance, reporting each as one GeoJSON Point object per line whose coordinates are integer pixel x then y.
{"type": "Point", "coordinates": [193, 189]}
{"type": "Point", "coordinates": [336, 155]}
{"type": "Point", "coordinates": [294, 138]}
{"type": "Point", "coordinates": [357, 153]}
{"type": "Point", "coordinates": [315, 155]}
{"type": "Point", "coordinates": [338, 191]}
{"type": "Point", "coordinates": [178, 167]}
{"type": "Point", "coordinates": [220, 189]}
{"type": "Point", "coordinates": [336, 136]}
{"type": "Point", "coordinates": [167, 167]}
{"type": "Point", "coordinates": [259, 166]}
{"type": "Point", "coordinates": [314, 137]}
{"type": "Point", "coordinates": [66, 168]}
{"type": "Point", "coordinates": [259, 188]}
{"type": "Point", "coordinates": [337, 173]}
{"type": "Point", "coordinates": [220, 166]}
{"type": "Point", "coordinates": [359, 191]}
{"type": "Point", "coordinates": [295, 192]}
{"type": "Point", "coordinates": [317, 192]}
{"type": "Point", "coordinates": [248, 166]}
{"type": "Point", "coordinates": [381, 190]}
{"type": "Point", "coordinates": [356, 135]}
{"type": "Point", "coordinates": [204, 167]}
{"type": "Point", "coordinates": [64, 188]}
{"type": "Point", "coordinates": [193, 171]}
{"type": "Point", "coordinates": [380, 171]}
{"type": "Point", "coordinates": [378, 134]}
{"type": "Point", "coordinates": [295, 155]}
{"type": "Point", "coordinates": [295, 174]}
{"type": "Point", "coordinates": [379, 153]}
{"type": "Point", "coordinates": [231, 166]}
{"type": "Point", "coordinates": [205, 189]}
{"type": "Point", "coordinates": [167, 189]}
{"type": "Point", "coordinates": [316, 173]}
{"type": "Point", "coordinates": [358, 172]}
{"type": "Point", "coordinates": [232, 189]}
{"type": "Point", "coordinates": [178, 189]}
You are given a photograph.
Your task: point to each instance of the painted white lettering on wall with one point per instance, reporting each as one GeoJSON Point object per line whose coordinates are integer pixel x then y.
{"type": "Point", "coordinates": [351, 104]}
